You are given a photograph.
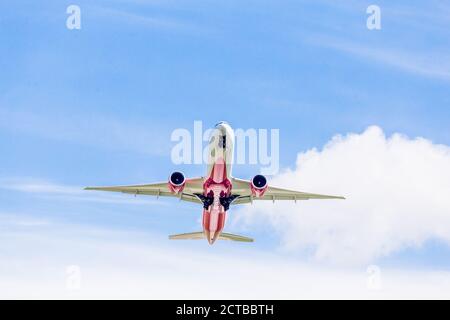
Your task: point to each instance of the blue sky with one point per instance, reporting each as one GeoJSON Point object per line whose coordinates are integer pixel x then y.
{"type": "Point", "coordinates": [96, 106]}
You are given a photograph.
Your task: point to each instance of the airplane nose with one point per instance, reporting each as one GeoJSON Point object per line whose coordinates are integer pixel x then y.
{"type": "Point", "coordinates": [222, 127]}
{"type": "Point", "coordinates": [221, 123]}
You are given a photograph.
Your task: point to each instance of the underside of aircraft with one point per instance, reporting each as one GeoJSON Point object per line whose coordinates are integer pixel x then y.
{"type": "Point", "coordinates": [217, 190]}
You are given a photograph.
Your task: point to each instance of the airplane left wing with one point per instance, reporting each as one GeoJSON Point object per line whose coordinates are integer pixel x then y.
{"type": "Point", "coordinates": [160, 189]}
{"type": "Point", "coordinates": [243, 189]}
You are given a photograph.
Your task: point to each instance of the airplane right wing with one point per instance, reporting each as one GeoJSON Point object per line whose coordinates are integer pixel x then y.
{"type": "Point", "coordinates": [243, 189]}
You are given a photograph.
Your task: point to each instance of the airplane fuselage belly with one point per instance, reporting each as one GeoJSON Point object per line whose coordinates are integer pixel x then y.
{"type": "Point", "coordinates": [217, 182]}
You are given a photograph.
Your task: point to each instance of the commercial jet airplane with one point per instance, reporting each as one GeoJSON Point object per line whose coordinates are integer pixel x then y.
{"type": "Point", "coordinates": [217, 190]}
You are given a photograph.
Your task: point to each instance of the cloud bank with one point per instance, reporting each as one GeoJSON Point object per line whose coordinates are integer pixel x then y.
{"type": "Point", "coordinates": [397, 192]}
{"type": "Point", "coordinates": [35, 259]}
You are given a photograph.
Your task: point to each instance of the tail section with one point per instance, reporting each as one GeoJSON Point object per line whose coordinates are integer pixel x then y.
{"type": "Point", "coordinates": [188, 236]}
{"type": "Point", "coordinates": [234, 237]}
{"type": "Point", "coordinates": [201, 235]}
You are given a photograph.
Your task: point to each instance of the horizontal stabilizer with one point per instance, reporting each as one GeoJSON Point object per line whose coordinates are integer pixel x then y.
{"type": "Point", "coordinates": [201, 235]}
{"type": "Point", "coordinates": [188, 236]}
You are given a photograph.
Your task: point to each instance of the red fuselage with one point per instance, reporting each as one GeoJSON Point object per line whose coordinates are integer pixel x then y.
{"type": "Point", "coordinates": [217, 183]}
{"type": "Point", "coordinates": [216, 186]}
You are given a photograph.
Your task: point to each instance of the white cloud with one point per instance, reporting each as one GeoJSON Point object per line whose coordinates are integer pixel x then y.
{"type": "Point", "coordinates": [113, 264]}
{"type": "Point", "coordinates": [397, 193]}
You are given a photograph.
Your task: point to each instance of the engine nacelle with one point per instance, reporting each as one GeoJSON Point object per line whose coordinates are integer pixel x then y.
{"type": "Point", "coordinates": [258, 185]}
{"type": "Point", "coordinates": [177, 182]}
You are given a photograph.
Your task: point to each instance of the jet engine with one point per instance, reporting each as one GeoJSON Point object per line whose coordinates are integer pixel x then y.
{"type": "Point", "coordinates": [258, 185]}
{"type": "Point", "coordinates": [177, 182]}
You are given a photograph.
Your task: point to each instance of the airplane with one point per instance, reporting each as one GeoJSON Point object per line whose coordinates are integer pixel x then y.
{"type": "Point", "coordinates": [216, 191]}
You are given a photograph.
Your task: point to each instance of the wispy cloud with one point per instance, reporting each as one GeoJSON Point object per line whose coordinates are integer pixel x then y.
{"type": "Point", "coordinates": [166, 22]}
{"type": "Point", "coordinates": [430, 64]}
{"type": "Point", "coordinates": [88, 129]}
{"type": "Point", "coordinates": [8, 220]}
{"type": "Point", "coordinates": [133, 265]}
{"type": "Point", "coordinates": [47, 190]}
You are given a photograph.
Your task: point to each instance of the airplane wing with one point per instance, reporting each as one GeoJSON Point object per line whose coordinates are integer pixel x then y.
{"type": "Point", "coordinates": [242, 188]}
{"type": "Point", "coordinates": [160, 189]}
